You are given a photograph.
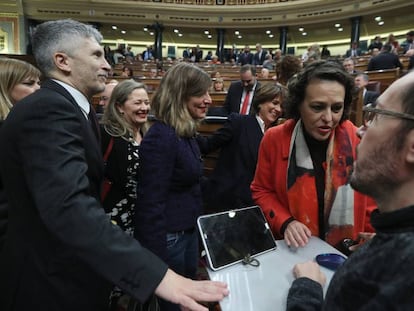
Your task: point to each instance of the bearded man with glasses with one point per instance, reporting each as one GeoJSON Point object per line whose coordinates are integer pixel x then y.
{"type": "Point", "coordinates": [378, 276]}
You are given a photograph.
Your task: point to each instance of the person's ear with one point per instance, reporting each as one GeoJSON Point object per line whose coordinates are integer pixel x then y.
{"type": "Point", "coordinates": [119, 108]}
{"type": "Point", "coordinates": [410, 147]}
{"type": "Point", "coordinates": [61, 61]}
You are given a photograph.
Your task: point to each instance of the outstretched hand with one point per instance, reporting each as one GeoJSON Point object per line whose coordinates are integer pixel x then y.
{"type": "Point", "coordinates": [187, 293]}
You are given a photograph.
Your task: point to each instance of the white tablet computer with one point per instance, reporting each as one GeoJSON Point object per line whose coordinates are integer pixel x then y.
{"type": "Point", "coordinates": [234, 236]}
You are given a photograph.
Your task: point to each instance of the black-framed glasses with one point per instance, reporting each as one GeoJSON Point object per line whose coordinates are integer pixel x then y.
{"type": "Point", "coordinates": [370, 114]}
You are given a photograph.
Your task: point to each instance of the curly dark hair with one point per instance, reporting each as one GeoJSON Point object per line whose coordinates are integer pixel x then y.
{"type": "Point", "coordinates": [287, 67]}
{"type": "Point", "coordinates": [322, 70]}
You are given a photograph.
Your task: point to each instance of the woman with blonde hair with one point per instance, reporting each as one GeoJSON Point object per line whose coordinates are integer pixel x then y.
{"type": "Point", "coordinates": [17, 80]}
{"type": "Point", "coordinates": [124, 124]}
{"type": "Point", "coordinates": [169, 194]}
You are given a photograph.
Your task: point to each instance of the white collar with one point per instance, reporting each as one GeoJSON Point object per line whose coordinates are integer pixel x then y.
{"type": "Point", "coordinates": [80, 99]}
{"type": "Point", "coordinates": [261, 123]}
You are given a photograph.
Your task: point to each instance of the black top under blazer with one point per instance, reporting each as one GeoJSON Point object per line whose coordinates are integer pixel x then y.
{"type": "Point", "coordinates": [62, 252]}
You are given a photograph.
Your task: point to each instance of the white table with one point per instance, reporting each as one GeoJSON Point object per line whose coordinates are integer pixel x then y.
{"type": "Point", "coordinates": [265, 288]}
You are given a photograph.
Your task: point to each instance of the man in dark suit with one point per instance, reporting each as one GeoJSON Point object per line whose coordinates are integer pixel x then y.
{"type": "Point", "coordinates": [349, 65]}
{"type": "Point", "coordinates": [385, 60]}
{"type": "Point", "coordinates": [259, 56]}
{"type": "Point", "coordinates": [361, 81]}
{"type": "Point", "coordinates": [354, 51]}
{"type": "Point", "coordinates": [61, 250]}
{"type": "Point", "coordinates": [246, 57]}
{"type": "Point", "coordinates": [240, 93]}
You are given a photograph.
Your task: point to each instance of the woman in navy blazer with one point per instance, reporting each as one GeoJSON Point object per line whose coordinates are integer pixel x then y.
{"type": "Point", "coordinates": [228, 187]}
{"type": "Point", "coordinates": [169, 195]}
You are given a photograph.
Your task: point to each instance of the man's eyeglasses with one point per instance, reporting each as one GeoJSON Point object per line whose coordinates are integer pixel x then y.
{"type": "Point", "coordinates": [370, 114]}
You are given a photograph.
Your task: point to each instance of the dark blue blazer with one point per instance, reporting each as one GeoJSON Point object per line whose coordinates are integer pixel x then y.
{"type": "Point", "coordinates": [228, 186]}
{"type": "Point", "coordinates": [233, 98]}
{"type": "Point", "coordinates": [61, 251]}
{"type": "Point", "coordinates": [169, 194]}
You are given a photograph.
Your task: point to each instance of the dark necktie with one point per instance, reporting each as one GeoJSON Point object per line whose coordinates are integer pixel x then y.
{"type": "Point", "coordinates": [93, 121]}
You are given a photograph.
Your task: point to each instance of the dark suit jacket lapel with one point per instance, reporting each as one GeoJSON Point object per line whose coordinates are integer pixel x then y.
{"type": "Point", "coordinates": [254, 136]}
{"type": "Point", "coordinates": [89, 131]}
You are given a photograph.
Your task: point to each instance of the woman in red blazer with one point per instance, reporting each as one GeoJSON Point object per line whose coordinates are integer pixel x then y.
{"type": "Point", "coordinates": [302, 176]}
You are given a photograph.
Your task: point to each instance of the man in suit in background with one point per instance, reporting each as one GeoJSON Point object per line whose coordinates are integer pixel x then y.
{"type": "Point", "coordinates": [240, 93]}
{"type": "Point", "coordinates": [354, 51]}
{"type": "Point", "coordinates": [349, 66]}
{"type": "Point", "coordinates": [259, 56]}
{"type": "Point", "coordinates": [246, 57]}
{"type": "Point", "coordinates": [408, 48]}
{"type": "Point", "coordinates": [61, 250]}
{"type": "Point", "coordinates": [385, 60]}
{"type": "Point", "coordinates": [361, 81]}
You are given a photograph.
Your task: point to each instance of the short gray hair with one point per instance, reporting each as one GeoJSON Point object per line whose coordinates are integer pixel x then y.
{"type": "Point", "coordinates": [59, 36]}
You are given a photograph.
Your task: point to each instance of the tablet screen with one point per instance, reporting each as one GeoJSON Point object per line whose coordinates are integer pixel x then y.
{"type": "Point", "coordinates": [229, 237]}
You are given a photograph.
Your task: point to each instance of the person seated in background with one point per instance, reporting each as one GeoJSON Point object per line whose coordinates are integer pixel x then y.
{"type": "Point", "coordinates": [215, 75]}
{"type": "Point", "coordinates": [375, 52]}
{"type": "Point", "coordinates": [378, 275]}
{"type": "Point", "coordinates": [104, 97]}
{"type": "Point", "coordinates": [349, 66]}
{"type": "Point", "coordinates": [385, 60]}
{"type": "Point", "coordinates": [302, 174]}
{"type": "Point", "coordinates": [215, 60]}
{"type": "Point", "coordinates": [18, 79]}
{"type": "Point", "coordinates": [410, 54]}
{"type": "Point", "coordinates": [354, 51]}
{"type": "Point", "coordinates": [311, 54]}
{"type": "Point", "coordinates": [264, 73]}
{"type": "Point", "coordinates": [375, 44]}
{"type": "Point", "coordinates": [408, 48]}
{"type": "Point", "coordinates": [153, 73]}
{"type": "Point", "coordinates": [325, 52]}
{"type": "Point", "coordinates": [268, 62]}
{"type": "Point", "coordinates": [361, 81]}
{"type": "Point", "coordinates": [218, 85]}
{"type": "Point", "coordinates": [127, 72]}
{"type": "Point", "coordinates": [228, 186]}
{"type": "Point", "coordinates": [209, 56]}
{"type": "Point", "coordinates": [278, 55]}
{"type": "Point", "coordinates": [393, 42]}
{"type": "Point", "coordinates": [408, 43]}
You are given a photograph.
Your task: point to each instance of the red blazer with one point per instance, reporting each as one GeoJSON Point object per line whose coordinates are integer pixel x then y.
{"type": "Point", "coordinates": [269, 184]}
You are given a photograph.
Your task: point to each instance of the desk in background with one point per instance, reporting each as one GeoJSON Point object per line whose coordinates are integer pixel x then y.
{"type": "Point", "coordinates": [265, 288]}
